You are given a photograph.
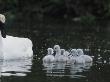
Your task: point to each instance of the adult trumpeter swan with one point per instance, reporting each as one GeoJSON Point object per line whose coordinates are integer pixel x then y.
{"type": "Point", "coordinates": [13, 47]}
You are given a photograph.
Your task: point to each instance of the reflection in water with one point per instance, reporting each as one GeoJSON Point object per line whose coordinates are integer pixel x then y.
{"type": "Point", "coordinates": [92, 43]}
{"type": "Point", "coordinates": [54, 69]}
{"type": "Point", "coordinates": [66, 69]}
{"type": "Point", "coordinates": [16, 67]}
{"type": "Point", "coordinates": [77, 69]}
{"type": "Point", "coordinates": [1, 63]}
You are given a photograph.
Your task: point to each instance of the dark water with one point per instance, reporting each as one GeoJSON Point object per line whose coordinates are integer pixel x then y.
{"type": "Point", "coordinates": [34, 71]}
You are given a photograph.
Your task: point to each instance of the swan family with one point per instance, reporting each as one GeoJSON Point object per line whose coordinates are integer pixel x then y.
{"type": "Point", "coordinates": [20, 48]}
{"type": "Point", "coordinates": [75, 56]}
{"type": "Point", "coordinates": [12, 48]}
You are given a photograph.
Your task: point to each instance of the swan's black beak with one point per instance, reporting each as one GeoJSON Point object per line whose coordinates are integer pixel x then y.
{"type": "Point", "coordinates": [3, 31]}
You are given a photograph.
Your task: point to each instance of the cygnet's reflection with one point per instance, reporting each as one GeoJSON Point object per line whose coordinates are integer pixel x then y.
{"type": "Point", "coordinates": [66, 69]}
{"type": "Point", "coordinates": [77, 69]}
{"type": "Point", "coordinates": [16, 67]}
{"type": "Point", "coordinates": [54, 69]}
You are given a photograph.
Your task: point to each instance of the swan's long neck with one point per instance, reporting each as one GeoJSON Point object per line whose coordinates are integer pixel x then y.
{"type": "Point", "coordinates": [58, 53]}
{"type": "Point", "coordinates": [1, 43]}
{"type": "Point", "coordinates": [1, 47]}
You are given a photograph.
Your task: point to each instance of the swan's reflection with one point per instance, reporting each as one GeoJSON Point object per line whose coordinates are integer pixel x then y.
{"type": "Point", "coordinates": [66, 69]}
{"type": "Point", "coordinates": [1, 63]}
{"type": "Point", "coordinates": [16, 67]}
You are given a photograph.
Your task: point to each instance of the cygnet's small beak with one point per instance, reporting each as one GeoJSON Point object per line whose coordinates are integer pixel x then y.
{"type": "Point", "coordinates": [54, 53]}
{"type": "Point", "coordinates": [69, 54]}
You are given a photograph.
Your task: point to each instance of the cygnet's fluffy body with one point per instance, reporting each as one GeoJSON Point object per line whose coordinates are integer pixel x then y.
{"type": "Point", "coordinates": [49, 57]}
{"type": "Point", "coordinates": [86, 58]}
{"type": "Point", "coordinates": [63, 57]}
{"type": "Point", "coordinates": [57, 51]}
{"type": "Point", "coordinates": [75, 58]}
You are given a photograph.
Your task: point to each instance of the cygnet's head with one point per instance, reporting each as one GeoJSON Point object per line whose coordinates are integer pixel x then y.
{"type": "Point", "coordinates": [50, 51]}
{"type": "Point", "coordinates": [62, 51]}
{"type": "Point", "coordinates": [2, 18]}
{"type": "Point", "coordinates": [74, 52]}
{"type": "Point", "coordinates": [80, 52]}
{"type": "Point", "coordinates": [56, 48]}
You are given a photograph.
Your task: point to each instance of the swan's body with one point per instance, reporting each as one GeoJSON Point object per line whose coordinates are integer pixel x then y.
{"type": "Point", "coordinates": [67, 53]}
{"type": "Point", "coordinates": [49, 57]}
{"type": "Point", "coordinates": [57, 50]}
{"type": "Point", "coordinates": [75, 58]}
{"type": "Point", "coordinates": [86, 58]}
{"type": "Point", "coordinates": [63, 57]}
{"type": "Point", "coordinates": [17, 48]}
{"type": "Point", "coordinates": [61, 54]}
{"type": "Point", "coordinates": [13, 47]}
{"type": "Point", "coordinates": [79, 60]}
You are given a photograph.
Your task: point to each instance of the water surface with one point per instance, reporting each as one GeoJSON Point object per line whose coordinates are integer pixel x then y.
{"type": "Point", "coordinates": [94, 44]}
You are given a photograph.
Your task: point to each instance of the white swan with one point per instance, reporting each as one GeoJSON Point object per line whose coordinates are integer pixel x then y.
{"type": "Point", "coordinates": [63, 57]}
{"type": "Point", "coordinates": [49, 57]}
{"type": "Point", "coordinates": [57, 51]}
{"type": "Point", "coordinates": [75, 59]}
{"type": "Point", "coordinates": [73, 53]}
{"type": "Point", "coordinates": [14, 47]}
{"type": "Point", "coordinates": [85, 57]}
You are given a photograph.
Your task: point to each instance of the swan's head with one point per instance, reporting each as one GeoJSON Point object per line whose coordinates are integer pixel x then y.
{"type": "Point", "coordinates": [80, 52]}
{"type": "Point", "coordinates": [2, 30]}
{"type": "Point", "coordinates": [56, 48]}
{"type": "Point", "coordinates": [74, 52]}
{"type": "Point", "coordinates": [50, 51]}
{"type": "Point", "coordinates": [62, 51]}
{"type": "Point", "coordinates": [2, 18]}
